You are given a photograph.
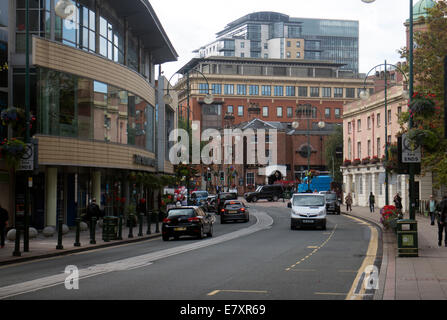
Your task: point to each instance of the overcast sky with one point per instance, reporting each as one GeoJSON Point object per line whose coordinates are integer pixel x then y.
{"type": "Point", "coordinates": [192, 24]}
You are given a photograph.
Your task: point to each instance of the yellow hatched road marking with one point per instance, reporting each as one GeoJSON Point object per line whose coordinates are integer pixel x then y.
{"type": "Point", "coordinates": [212, 293]}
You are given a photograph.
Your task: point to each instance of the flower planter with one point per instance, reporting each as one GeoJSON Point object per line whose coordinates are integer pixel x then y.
{"type": "Point", "coordinates": [425, 138]}
{"type": "Point", "coordinates": [374, 160]}
{"type": "Point", "coordinates": [356, 162]}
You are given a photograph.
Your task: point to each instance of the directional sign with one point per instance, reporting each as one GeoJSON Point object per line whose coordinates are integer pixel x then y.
{"type": "Point", "coordinates": [410, 153]}
{"type": "Point", "coordinates": [27, 161]}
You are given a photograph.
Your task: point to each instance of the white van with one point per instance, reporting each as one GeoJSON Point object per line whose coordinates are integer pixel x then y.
{"type": "Point", "coordinates": [308, 210]}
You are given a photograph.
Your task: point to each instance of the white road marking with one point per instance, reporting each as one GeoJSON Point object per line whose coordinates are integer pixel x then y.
{"type": "Point", "coordinates": [264, 221]}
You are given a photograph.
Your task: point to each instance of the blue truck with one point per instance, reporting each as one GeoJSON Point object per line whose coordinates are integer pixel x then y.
{"type": "Point", "coordinates": [319, 183]}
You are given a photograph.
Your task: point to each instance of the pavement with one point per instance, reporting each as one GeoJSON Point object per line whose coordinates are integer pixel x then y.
{"type": "Point", "coordinates": [45, 247]}
{"type": "Point", "coordinates": [401, 278]}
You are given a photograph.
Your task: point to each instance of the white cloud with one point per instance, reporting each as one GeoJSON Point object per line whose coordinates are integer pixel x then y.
{"type": "Point", "coordinates": [191, 24]}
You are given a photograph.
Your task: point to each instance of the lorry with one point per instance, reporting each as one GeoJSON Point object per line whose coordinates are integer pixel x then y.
{"type": "Point", "coordinates": [318, 183]}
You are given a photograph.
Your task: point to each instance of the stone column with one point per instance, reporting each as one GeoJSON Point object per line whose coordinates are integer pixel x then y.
{"type": "Point", "coordinates": [51, 197]}
{"type": "Point", "coordinates": [365, 190]}
{"type": "Point", "coordinates": [354, 194]}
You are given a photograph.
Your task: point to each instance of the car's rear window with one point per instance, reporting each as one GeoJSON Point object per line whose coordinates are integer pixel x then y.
{"type": "Point", "coordinates": [308, 201]}
{"type": "Point", "coordinates": [233, 205]}
{"type": "Point", "coordinates": [181, 212]}
{"type": "Point", "coordinates": [331, 196]}
{"type": "Point", "coordinates": [201, 194]}
{"type": "Point", "coordinates": [227, 196]}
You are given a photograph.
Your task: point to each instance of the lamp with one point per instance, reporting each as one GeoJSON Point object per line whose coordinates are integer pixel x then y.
{"type": "Point", "coordinates": [364, 94]}
{"type": "Point", "coordinates": [65, 9]}
{"type": "Point", "coordinates": [209, 99]}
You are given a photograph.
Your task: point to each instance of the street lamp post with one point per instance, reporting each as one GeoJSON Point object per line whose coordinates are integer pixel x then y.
{"type": "Point", "coordinates": [410, 123]}
{"type": "Point", "coordinates": [308, 110]}
{"type": "Point", "coordinates": [364, 95]}
{"type": "Point", "coordinates": [208, 100]}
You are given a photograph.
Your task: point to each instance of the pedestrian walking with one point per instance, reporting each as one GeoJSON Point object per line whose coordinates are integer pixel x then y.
{"type": "Point", "coordinates": [442, 221]}
{"type": "Point", "coordinates": [398, 203]}
{"type": "Point", "coordinates": [431, 208]}
{"type": "Point", "coordinates": [93, 210]}
{"type": "Point", "coordinates": [348, 201]}
{"type": "Point", "coordinates": [372, 201]}
{"type": "Point", "coordinates": [4, 217]}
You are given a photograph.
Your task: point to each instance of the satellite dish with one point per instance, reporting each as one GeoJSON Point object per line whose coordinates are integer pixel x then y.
{"type": "Point", "coordinates": [65, 9]}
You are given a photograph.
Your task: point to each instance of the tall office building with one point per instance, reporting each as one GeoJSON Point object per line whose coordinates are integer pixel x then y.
{"type": "Point", "coordinates": [273, 35]}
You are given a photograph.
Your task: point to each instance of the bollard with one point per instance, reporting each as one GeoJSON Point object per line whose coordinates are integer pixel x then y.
{"type": "Point", "coordinates": [60, 222]}
{"type": "Point", "coordinates": [157, 219]}
{"type": "Point", "coordinates": [120, 228]}
{"type": "Point", "coordinates": [78, 232]}
{"type": "Point", "coordinates": [17, 252]}
{"type": "Point", "coordinates": [140, 230]}
{"type": "Point", "coordinates": [149, 222]}
{"type": "Point", "coordinates": [93, 230]}
{"type": "Point", "coordinates": [130, 226]}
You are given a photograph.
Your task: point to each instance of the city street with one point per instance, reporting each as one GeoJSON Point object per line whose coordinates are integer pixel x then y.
{"type": "Point", "coordinates": [261, 260]}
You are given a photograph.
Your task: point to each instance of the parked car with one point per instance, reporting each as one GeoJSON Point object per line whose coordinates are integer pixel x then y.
{"type": "Point", "coordinates": [307, 210]}
{"type": "Point", "coordinates": [187, 221]}
{"type": "Point", "coordinates": [270, 192]}
{"type": "Point", "coordinates": [332, 202]}
{"type": "Point", "coordinates": [234, 210]}
{"type": "Point", "coordinates": [198, 198]}
{"type": "Point", "coordinates": [222, 197]}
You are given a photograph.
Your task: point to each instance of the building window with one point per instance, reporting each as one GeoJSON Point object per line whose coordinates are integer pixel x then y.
{"type": "Point", "coordinates": [327, 113]}
{"type": "Point", "coordinates": [359, 150]}
{"type": "Point", "coordinates": [327, 92]}
{"type": "Point", "coordinates": [266, 55]}
{"type": "Point", "coordinates": [229, 89]}
{"type": "Point", "coordinates": [217, 88]}
{"type": "Point", "coordinates": [369, 148]}
{"type": "Point", "coordinates": [389, 116]}
{"type": "Point", "coordinates": [279, 91]}
{"type": "Point", "coordinates": [378, 120]}
{"type": "Point", "coordinates": [378, 148]}
{"type": "Point", "coordinates": [338, 92]}
{"type": "Point", "coordinates": [290, 91]}
{"type": "Point", "coordinates": [369, 123]}
{"type": "Point", "coordinates": [289, 112]}
{"type": "Point", "coordinates": [288, 54]}
{"type": "Point", "coordinates": [279, 112]}
{"type": "Point", "coordinates": [241, 89]}
{"type": "Point", "coordinates": [337, 113]}
{"type": "Point", "coordinates": [240, 111]}
{"type": "Point", "coordinates": [254, 90]}
{"type": "Point", "coordinates": [298, 55]}
{"type": "Point", "coordinates": [302, 91]}
{"type": "Point", "coordinates": [359, 125]}
{"type": "Point", "coordinates": [289, 44]}
{"type": "Point", "coordinates": [250, 178]}
{"type": "Point", "coordinates": [349, 149]}
{"type": "Point", "coordinates": [350, 92]}
{"type": "Point", "coordinates": [230, 109]}
{"type": "Point", "coordinates": [298, 44]}
{"type": "Point", "coordinates": [389, 139]}
{"type": "Point", "coordinates": [399, 111]}
{"type": "Point", "coordinates": [314, 91]}
{"type": "Point", "coordinates": [203, 88]}
{"type": "Point", "coordinates": [266, 90]}
{"type": "Point", "coordinates": [242, 45]}
{"type": "Point", "coordinates": [349, 127]}
{"type": "Point", "coordinates": [266, 46]}
{"type": "Point", "coordinates": [265, 111]}
{"type": "Point", "coordinates": [242, 55]}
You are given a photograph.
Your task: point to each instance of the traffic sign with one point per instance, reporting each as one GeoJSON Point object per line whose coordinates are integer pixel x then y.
{"type": "Point", "coordinates": [27, 161]}
{"type": "Point", "coordinates": [410, 152]}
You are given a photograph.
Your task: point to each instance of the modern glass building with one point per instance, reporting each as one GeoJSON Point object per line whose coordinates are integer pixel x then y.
{"type": "Point", "coordinates": [95, 99]}
{"type": "Point", "coordinates": [277, 36]}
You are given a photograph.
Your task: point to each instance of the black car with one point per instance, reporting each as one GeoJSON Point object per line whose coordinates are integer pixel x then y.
{"type": "Point", "coordinates": [269, 192]}
{"type": "Point", "coordinates": [187, 221]}
{"type": "Point", "coordinates": [222, 197]}
{"type": "Point", "coordinates": [332, 202]}
{"type": "Point", "coordinates": [234, 210]}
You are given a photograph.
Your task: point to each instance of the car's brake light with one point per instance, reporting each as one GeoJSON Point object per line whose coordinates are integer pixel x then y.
{"type": "Point", "coordinates": [193, 219]}
{"type": "Point", "coordinates": [166, 220]}
{"type": "Point", "coordinates": [242, 209]}
{"type": "Point", "coordinates": [223, 210]}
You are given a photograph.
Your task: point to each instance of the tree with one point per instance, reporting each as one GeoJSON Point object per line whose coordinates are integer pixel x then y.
{"type": "Point", "coordinates": [334, 160]}
{"type": "Point", "coordinates": [429, 53]}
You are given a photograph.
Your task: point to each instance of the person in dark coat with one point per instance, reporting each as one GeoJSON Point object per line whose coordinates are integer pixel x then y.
{"type": "Point", "coordinates": [4, 217]}
{"type": "Point", "coordinates": [93, 210]}
{"type": "Point", "coordinates": [442, 221]}
{"type": "Point", "coordinates": [372, 201]}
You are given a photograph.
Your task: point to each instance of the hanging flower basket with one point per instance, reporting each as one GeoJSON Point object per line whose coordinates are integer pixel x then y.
{"type": "Point", "coordinates": [425, 138]}
{"type": "Point", "coordinates": [16, 118]}
{"type": "Point", "coordinates": [12, 151]}
{"type": "Point", "coordinates": [422, 105]}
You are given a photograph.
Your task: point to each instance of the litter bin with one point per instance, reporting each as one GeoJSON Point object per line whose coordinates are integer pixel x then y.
{"type": "Point", "coordinates": [407, 238]}
{"type": "Point", "coordinates": [110, 228]}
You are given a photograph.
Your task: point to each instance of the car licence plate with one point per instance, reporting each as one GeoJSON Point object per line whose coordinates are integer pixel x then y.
{"type": "Point", "coordinates": [179, 229]}
{"type": "Point", "coordinates": [308, 221]}
{"type": "Point", "coordinates": [232, 211]}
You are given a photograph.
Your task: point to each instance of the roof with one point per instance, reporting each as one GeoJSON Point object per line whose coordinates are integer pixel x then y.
{"type": "Point", "coordinates": [143, 21]}
{"type": "Point", "coordinates": [420, 8]}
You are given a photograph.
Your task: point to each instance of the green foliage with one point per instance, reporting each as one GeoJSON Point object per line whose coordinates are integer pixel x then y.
{"type": "Point", "coordinates": [429, 53]}
{"type": "Point", "coordinates": [333, 163]}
